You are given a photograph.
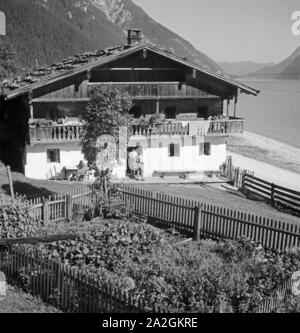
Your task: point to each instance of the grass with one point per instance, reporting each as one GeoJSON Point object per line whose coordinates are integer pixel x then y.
{"type": "Point", "coordinates": [32, 187]}
{"type": "Point", "coordinates": [20, 302]}
{"type": "Point", "coordinates": [202, 192]}
{"type": "Point", "coordinates": [222, 197]}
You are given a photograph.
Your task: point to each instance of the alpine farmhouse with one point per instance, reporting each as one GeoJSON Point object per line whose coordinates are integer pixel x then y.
{"type": "Point", "coordinates": [40, 127]}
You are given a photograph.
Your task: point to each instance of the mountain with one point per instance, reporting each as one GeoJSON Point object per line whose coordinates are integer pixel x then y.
{"type": "Point", "coordinates": [241, 68]}
{"type": "Point", "coordinates": [287, 69]}
{"type": "Point", "coordinates": [47, 31]}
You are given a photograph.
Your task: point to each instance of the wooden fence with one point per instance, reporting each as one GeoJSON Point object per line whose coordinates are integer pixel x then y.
{"type": "Point", "coordinates": [278, 196]}
{"type": "Point", "coordinates": [235, 175]}
{"type": "Point", "coordinates": [191, 218]}
{"type": "Point", "coordinates": [61, 207]}
{"type": "Point", "coordinates": [274, 303]}
{"type": "Point", "coordinates": [65, 287]}
{"type": "Point", "coordinates": [199, 219]}
{"type": "Point", "coordinates": [75, 292]}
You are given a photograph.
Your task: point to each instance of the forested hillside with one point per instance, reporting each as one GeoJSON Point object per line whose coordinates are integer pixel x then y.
{"type": "Point", "coordinates": [46, 31]}
{"type": "Point", "coordinates": [40, 34]}
{"type": "Point", "coordinates": [8, 65]}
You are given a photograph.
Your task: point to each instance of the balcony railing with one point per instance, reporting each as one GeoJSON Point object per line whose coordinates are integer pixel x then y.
{"type": "Point", "coordinates": [55, 133]}
{"type": "Point", "coordinates": [168, 129]}
{"type": "Point", "coordinates": [73, 133]}
{"type": "Point", "coordinates": [226, 127]}
{"type": "Point", "coordinates": [198, 128]}
{"type": "Point", "coordinates": [156, 89]}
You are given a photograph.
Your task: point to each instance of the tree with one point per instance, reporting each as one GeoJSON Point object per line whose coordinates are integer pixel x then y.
{"type": "Point", "coordinates": [107, 111]}
{"type": "Point", "coordinates": [8, 66]}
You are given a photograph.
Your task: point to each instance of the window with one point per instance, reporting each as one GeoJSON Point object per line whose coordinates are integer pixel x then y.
{"type": "Point", "coordinates": [136, 111]}
{"type": "Point", "coordinates": [207, 149]}
{"type": "Point", "coordinates": [174, 150]}
{"type": "Point", "coordinates": [171, 113]}
{"type": "Point", "coordinates": [203, 112]}
{"type": "Point", "coordinates": [53, 156]}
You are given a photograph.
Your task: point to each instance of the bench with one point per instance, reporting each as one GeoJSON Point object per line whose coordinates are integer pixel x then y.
{"type": "Point", "coordinates": [174, 173]}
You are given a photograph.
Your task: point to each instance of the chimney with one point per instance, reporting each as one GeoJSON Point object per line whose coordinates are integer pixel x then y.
{"type": "Point", "coordinates": [134, 37]}
{"type": "Point", "coordinates": [2, 24]}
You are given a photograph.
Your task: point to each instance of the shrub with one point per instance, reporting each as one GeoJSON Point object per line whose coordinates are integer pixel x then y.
{"type": "Point", "coordinates": [194, 277]}
{"type": "Point", "coordinates": [17, 220]}
{"type": "Point", "coordinates": [116, 209]}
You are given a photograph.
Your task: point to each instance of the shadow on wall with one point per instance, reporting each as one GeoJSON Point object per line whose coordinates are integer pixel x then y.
{"type": "Point", "coordinates": [27, 189]}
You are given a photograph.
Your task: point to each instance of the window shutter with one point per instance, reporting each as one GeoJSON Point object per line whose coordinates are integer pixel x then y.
{"type": "Point", "coordinates": [194, 141]}
{"type": "Point", "coordinates": [58, 155]}
{"type": "Point", "coordinates": [177, 150]}
{"type": "Point", "coordinates": [201, 149]}
{"type": "Point", "coordinates": [174, 150]}
{"type": "Point", "coordinates": [207, 149]}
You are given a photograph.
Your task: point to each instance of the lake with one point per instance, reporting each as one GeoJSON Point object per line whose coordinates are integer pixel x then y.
{"type": "Point", "coordinates": [275, 113]}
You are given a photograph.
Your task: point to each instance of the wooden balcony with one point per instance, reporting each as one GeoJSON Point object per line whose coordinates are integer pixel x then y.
{"type": "Point", "coordinates": [55, 134]}
{"type": "Point", "coordinates": [168, 129]}
{"type": "Point", "coordinates": [73, 133]}
{"type": "Point", "coordinates": [225, 127]}
{"type": "Point", "coordinates": [153, 90]}
{"type": "Point", "coordinates": [198, 128]}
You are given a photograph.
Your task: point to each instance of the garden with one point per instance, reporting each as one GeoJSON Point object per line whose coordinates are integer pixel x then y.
{"type": "Point", "coordinates": [176, 275]}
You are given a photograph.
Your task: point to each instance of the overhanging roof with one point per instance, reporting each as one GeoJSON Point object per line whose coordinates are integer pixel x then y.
{"type": "Point", "coordinates": [105, 59]}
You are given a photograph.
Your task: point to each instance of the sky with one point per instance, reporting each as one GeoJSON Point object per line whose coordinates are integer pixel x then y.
{"type": "Point", "coordinates": [231, 30]}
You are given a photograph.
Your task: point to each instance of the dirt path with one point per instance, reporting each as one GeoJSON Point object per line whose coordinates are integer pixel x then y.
{"type": "Point", "coordinates": [268, 172]}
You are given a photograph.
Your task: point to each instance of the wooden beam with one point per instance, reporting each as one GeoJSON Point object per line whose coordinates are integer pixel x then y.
{"type": "Point", "coordinates": [194, 74]}
{"type": "Point", "coordinates": [11, 186]}
{"type": "Point", "coordinates": [136, 69]}
{"type": "Point", "coordinates": [235, 106]}
{"type": "Point", "coordinates": [31, 110]}
{"type": "Point", "coordinates": [137, 83]}
{"type": "Point", "coordinates": [30, 98]}
{"type": "Point", "coordinates": [59, 100]}
{"type": "Point", "coordinates": [39, 239]}
{"type": "Point", "coordinates": [235, 103]}
{"type": "Point", "coordinates": [228, 104]}
{"type": "Point", "coordinates": [157, 106]}
{"type": "Point", "coordinates": [145, 53]}
{"type": "Point", "coordinates": [89, 74]}
{"type": "Point", "coordinates": [193, 98]}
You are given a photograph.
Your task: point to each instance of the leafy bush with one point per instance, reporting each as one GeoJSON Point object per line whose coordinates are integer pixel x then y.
{"type": "Point", "coordinates": [116, 209]}
{"type": "Point", "coordinates": [17, 220]}
{"type": "Point", "coordinates": [199, 277]}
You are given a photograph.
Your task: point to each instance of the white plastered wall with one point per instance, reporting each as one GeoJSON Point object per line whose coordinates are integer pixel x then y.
{"type": "Point", "coordinates": [190, 159]}
{"type": "Point", "coordinates": [37, 166]}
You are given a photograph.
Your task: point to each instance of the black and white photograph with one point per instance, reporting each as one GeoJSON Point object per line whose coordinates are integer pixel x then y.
{"type": "Point", "coordinates": [149, 159]}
